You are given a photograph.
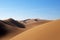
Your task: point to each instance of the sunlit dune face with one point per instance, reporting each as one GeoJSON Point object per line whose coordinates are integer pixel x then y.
{"type": "Point", "coordinates": [48, 31]}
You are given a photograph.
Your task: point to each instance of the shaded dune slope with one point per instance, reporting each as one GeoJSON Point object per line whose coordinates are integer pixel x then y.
{"type": "Point", "coordinates": [48, 31]}
{"type": "Point", "coordinates": [8, 31]}
{"type": "Point", "coordinates": [3, 30]}
{"type": "Point", "coordinates": [13, 22]}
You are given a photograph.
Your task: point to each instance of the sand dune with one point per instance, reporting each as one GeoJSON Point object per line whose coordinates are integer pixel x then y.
{"type": "Point", "coordinates": [10, 27]}
{"type": "Point", "coordinates": [8, 31]}
{"type": "Point", "coordinates": [30, 23]}
{"type": "Point", "coordinates": [13, 22]}
{"type": "Point", "coordinates": [25, 24]}
{"type": "Point", "coordinates": [48, 31]}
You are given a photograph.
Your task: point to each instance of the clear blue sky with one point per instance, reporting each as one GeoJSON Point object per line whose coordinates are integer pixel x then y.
{"type": "Point", "coordinates": [23, 9]}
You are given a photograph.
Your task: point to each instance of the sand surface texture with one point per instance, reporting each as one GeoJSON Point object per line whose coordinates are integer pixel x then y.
{"type": "Point", "coordinates": [48, 31]}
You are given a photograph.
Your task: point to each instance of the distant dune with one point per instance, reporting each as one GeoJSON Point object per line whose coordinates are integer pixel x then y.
{"type": "Point", "coordinates": [30, 23]}
{"type": "Point", "coordinates": [10, 27]}
{"type": "Point", "coordinates": [48, 31]}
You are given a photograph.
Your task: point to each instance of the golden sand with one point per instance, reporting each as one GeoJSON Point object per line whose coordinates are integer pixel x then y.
{"type": "Point", "coordinates": [48, 31]}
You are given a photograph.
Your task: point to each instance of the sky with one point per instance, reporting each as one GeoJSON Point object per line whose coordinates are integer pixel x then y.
{"type": "Point", "coordinates": [25, 9]}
